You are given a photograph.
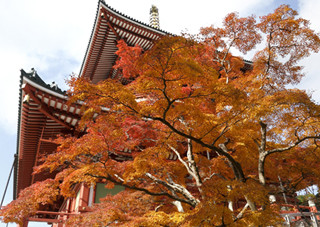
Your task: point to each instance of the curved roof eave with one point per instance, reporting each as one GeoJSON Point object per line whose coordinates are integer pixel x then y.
{"type": "Point", "coordinates": [102, 6]}
{"type": "Point", "coordinates": [33, 79]}
{"type": "Point", "coordinates": [139, 23]}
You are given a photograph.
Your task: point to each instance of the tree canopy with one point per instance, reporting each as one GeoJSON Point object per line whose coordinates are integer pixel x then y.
{"type": "Point", "coordinates": [196, 135]}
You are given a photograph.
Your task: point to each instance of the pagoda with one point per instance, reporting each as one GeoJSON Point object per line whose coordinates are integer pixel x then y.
{"type": "Point", "coordinates": [44, 112]}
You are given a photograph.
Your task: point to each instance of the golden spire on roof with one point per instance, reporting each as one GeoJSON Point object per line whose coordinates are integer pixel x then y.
{"type": "Point", "coordinates": [154, 17]}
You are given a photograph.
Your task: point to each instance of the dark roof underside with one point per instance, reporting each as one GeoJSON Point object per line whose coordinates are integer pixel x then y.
{"type": "Point", "coordinates": [111, 26]}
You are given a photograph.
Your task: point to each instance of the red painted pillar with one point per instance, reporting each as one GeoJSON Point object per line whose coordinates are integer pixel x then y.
{"type": "Point", "coordinates": [24, 223]}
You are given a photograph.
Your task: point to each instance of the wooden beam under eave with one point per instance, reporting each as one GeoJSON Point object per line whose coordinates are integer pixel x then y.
{"type": "Point", "coordinates": [103, 42]}
{"type": "Point", "coordinates": [91, 50]}
{"type": "Point", "coordinates": [45, 220]}
{"type": "Point", "coordinates": [48, 141]}
{"type": "Point", "coordinates": [56, 213]}
{"type": "Point", "coordinates": [43, 108]}
{"type": "Point", "coordinates": [112, 28]}
{"type": "Point", "coordinates": [137, 34]}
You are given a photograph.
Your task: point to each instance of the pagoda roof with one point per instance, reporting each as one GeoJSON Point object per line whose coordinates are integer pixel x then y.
{"type": "Point", "coordinates": [43, 114]}
{"type": "Point", "coordinates": [109, 27]}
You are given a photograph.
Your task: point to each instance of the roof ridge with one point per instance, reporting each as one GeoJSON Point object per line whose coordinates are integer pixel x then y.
{"type": "Point", "coordinates": [33, 76]}
{"type": "Point", "coordinates": [135, 20]}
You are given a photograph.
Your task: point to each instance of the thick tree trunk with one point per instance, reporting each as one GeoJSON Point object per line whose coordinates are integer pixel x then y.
{"type": "Point", "coordinates": [262, 179]}
{"type": "Point", "coordinates": [262, 153]}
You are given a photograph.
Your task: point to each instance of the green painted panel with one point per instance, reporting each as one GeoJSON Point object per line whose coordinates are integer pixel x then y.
{"type": "Point", "coordinates": [102, 192]}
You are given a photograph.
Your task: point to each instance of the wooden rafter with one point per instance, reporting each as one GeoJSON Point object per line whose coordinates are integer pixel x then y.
{"type": "Point", "coordinates": [44, 109]}
{"type": "Point", "coordinates": [100, 55]}
{"type": "Point", "coordinates": [111, 26]}
{"type": "Point", "coordinates": [48, 141]}
{"type": "Point", "coordinates": [133, 33]}
{"type": "Point", "coordinates": [100, 51]}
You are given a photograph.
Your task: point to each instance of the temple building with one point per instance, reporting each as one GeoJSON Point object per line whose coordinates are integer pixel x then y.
{"type": "Point", "coordinates": [44, 112]}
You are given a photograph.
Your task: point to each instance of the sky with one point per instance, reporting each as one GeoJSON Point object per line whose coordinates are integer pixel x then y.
{"type": "Point", "coordinates": [52, 37]}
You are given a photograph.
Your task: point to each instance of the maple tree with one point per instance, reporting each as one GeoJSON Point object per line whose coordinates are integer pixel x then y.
{"type": "Point", "coordinates": [199, 137]}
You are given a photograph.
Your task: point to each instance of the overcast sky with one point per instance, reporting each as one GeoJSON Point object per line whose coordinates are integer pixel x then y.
{"type": "Point", "coordinates": [52, 37]}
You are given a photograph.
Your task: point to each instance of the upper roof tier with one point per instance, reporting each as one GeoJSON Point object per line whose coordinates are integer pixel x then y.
{"type": "Point", "coordinates": [110, 26]}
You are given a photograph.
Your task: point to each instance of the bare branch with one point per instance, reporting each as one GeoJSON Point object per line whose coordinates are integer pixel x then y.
{"type": "Point", "coordinates": [120, 182]}
{"type": "Point", "coordinates": [190, 165]}
{"type": "Point", "coordinates": [234, 164]}
{"type": "Point", "coordinates": [240, 215]}
{"type": "Point", "coordinates": [212, 175]}
{"type": "Point", "coordinates": [193, 165]}
{"type": "Point", "coordinates": [177, 188]}
{"type": "Point", "coordinates": [293, 145]}
{"type": "Point", "coordinates": [263, 153]}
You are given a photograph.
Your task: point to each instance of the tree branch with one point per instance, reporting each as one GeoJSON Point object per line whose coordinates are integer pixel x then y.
{"type": "Point", "coordinates": [190, 165]}
{"type": "Point", "coordinates": [176, 188]}
{"type": "Point", "coordinates": [293, 145]}
{"type": "Point", "coordinates": [262, 153]}
{"type": "Point", "coordinates": [235, 165]}
{"type": "Point", "coordinates": [120, 182]}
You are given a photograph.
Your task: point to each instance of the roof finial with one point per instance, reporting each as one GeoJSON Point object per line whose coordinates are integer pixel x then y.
{"type": "Point", "coordinates": [33, 71]}
{"type": "Point", "coordinates": [154, 17]}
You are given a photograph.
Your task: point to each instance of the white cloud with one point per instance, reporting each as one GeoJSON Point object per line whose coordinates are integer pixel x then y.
{"type": "Point", "coordinates": [50, 36]}
{"type": "Point", "coordinates": [9, 91]}
{"type": "Point", "coordinates": [179, 15]}
{"type": "Point", "coordinates": [309, 10]}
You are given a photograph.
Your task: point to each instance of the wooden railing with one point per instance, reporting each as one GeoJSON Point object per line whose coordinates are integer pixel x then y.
{"type": "Point", "coordinates": [307, 218]}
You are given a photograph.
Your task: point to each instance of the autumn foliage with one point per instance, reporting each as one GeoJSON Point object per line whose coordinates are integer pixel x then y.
{"type": "Point", "coordinates": [200, 137]}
